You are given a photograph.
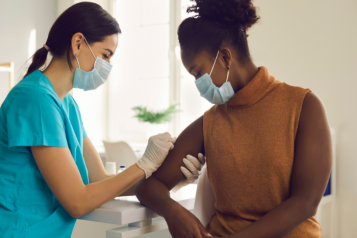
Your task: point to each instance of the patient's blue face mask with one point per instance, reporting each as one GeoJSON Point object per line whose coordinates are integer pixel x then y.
{"type": "Point", "coordinates": [211, 92]}
{"type": "Point", "coordinates": [93, 79]}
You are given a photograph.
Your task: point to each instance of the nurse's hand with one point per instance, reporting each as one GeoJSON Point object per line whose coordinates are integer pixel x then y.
{"type": "Point", "coordinates": [156, 152]}
{"type": "Point", "coordinates": [192, 172]}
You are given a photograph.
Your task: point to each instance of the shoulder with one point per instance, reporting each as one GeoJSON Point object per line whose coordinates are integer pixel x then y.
{"type": "Point", "coordinates": [292, 90]}
{"type": "Point", "coordinates": [37, 95]}
{"type": "Point", "coordinates": [32, 97]}
{"type": "Point", "coordinates": [35, 86]}
{"type": "Point", "coordinates": [312, 107]}
{"type": "Point", "coordinates": [312, 116]}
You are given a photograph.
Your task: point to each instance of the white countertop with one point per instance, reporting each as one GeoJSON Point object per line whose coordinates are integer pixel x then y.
{"type": "Point", "coordinates": [125, 210]}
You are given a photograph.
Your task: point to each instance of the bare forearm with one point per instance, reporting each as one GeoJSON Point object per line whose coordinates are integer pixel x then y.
{"type": "Point", "coordinates": [280, 221]}
{"type": "Point", "coordinates": [155, 195]}
{"type": "Point", "coordinates": [98, 193]}
{"type": "Point", "coordinates": [129, 192]}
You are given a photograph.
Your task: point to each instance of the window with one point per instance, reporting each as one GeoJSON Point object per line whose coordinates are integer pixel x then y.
{"type": "Point", "coordinates": [147, 71]}
{"type": "Point", "coordinates": [141, 67]}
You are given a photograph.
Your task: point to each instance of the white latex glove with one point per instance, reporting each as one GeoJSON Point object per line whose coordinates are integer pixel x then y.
{"type": "Point", "coordinates": [156, 152]}
{"type": "Point", "coordinates": [192, 172]}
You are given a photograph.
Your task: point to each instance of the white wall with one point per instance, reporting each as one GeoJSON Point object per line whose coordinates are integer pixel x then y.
{"type": "Point", "coordinates": [313, 44]}
{"type": "Point", "coordinates": [17, 19]}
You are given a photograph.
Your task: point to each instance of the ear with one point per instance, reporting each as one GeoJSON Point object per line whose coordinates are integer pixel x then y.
{"type": "Point", "coordinates": [226, 57]}
{"type": "Point", "coordinates": [77, 43]}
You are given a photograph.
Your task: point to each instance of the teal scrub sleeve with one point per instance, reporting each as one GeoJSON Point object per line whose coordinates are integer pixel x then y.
{"type": "Point", "coordinates": [35, 118]}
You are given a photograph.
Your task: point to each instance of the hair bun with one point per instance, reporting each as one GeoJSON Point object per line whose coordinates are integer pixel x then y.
{"type": "Point", "coordinates": [227, 13]}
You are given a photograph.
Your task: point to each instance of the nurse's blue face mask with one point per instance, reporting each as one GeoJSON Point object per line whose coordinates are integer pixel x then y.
{"type": "Point", "coordinates": [93, 79]}
{"type": "Point", "coordinates": [211, 92]}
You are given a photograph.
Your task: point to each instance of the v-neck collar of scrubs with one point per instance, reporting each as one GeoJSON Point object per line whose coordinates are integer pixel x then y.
{"type": "Point", "coordinates": [257, 87]}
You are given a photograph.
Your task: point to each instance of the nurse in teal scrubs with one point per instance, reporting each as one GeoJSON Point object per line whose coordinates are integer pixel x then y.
{"type": "Point", "coordinates": [50, 172]}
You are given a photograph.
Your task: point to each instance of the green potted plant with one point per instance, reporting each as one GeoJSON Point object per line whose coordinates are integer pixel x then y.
{"type": "Point", "coordinates": [157, 119]}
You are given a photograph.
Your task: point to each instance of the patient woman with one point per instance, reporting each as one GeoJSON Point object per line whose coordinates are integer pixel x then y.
{"type": "Point", "coordinates": [267, 143]}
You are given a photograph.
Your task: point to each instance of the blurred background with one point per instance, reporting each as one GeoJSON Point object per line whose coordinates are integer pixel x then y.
{"type": "Point", "coordinates": [305, 43]}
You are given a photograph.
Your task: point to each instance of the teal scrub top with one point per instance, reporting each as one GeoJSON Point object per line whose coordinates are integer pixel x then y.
{"type": "Point", "coordinates": [33, 115]}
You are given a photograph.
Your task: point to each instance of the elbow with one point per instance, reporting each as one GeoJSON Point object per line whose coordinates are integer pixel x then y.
{"type": "Point", "coordinates": [311, 211]}
{"type": "Point", "coordinates": [309, 208]}
{"type": "Point", "coordinates": [71, 212]}
{"type": "Point", "coordinates": [314, 206]}
{"type": "Point", "coordinates": [76, 214]}
{"type": "Point", "coordinates": [75, 209]}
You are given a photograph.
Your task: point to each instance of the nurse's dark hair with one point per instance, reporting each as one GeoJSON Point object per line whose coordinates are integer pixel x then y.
{"type": "Point", "coordinates": [217, 23]}
{"type": "Point", "coordinates": [86, 17]}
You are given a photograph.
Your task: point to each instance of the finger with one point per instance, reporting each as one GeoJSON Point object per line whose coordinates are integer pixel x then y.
{"type": "Point", "coordinates": [190, 177]}
{"type": "Point", "coordinates": [173, 139]}
{"type": "Point", "coordinates": [163, 136]}
{"type": "Point", "coordinates": [195, 162]}
{"type": "Point", "coordinates": [171, 145]}
{"type": "Point", "coordinates": [202, 158]}
{"type": "Point", "coordinates": [165, 145]}
{"type": "Point", "coordinates": [190, 166]}
{"type": "Point", "coordinates": [167, 136]}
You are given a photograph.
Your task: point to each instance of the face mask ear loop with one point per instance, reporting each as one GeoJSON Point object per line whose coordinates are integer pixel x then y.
{"type": "Point", "coordinates": [227, 76]}
{"type": "Point", "coordinates": [214, 64]}
{"type": "Point", "coordinates": [77, 61]}
{"type": "Point", "coordinates": [89, 47]}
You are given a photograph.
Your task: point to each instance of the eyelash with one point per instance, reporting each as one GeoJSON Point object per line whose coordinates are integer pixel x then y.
{"type": "Point", "coordinates": [106, 56]}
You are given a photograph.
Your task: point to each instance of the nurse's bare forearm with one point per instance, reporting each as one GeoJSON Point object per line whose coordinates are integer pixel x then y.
{"type": "Point", "coordinates": [98, 193]}
{"type": "Point", "coordinates": [155, 195]}
{"type": "Point", "coordinates": [129, 192]}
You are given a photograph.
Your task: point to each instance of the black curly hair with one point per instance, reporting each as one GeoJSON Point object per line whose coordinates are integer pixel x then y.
{"type": "Point", "coordinates": [218, 22]}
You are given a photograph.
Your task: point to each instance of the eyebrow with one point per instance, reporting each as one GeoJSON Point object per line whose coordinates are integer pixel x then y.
{"type": "Point", "coordinates": [191, 68]}
{"type": "Point", "coordinates": [110, 52]}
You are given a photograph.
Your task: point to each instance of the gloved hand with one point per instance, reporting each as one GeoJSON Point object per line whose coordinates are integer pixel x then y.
{"type": "Point", "coordinates": [156, 152]}
{"type": "Point", "coordinates": [194, 166]}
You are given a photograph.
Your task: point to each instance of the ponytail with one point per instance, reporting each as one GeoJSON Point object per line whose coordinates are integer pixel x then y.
{"type": "Point", "coordinates": [38, 60]}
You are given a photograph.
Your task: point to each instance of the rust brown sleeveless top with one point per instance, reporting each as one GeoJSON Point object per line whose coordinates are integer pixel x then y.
{"type": "Point", "coordinates": [249, 145]}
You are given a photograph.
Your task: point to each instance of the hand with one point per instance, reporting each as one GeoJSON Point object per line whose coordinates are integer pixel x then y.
{"type": "Point", "coordinates": [194, 166]}
{"type": "Point", "coordinates": [156, 152]}
{"type": "Point", "coordinates": [183, 224]}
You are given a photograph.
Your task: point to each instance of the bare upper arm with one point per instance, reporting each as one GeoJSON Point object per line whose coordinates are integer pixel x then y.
{"type": "Point", "coordinates": [61, 173]}
{"type": "Point", "coordinates": [190, 141]}
{"type": "Point", "coordinates": [313, 152]}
